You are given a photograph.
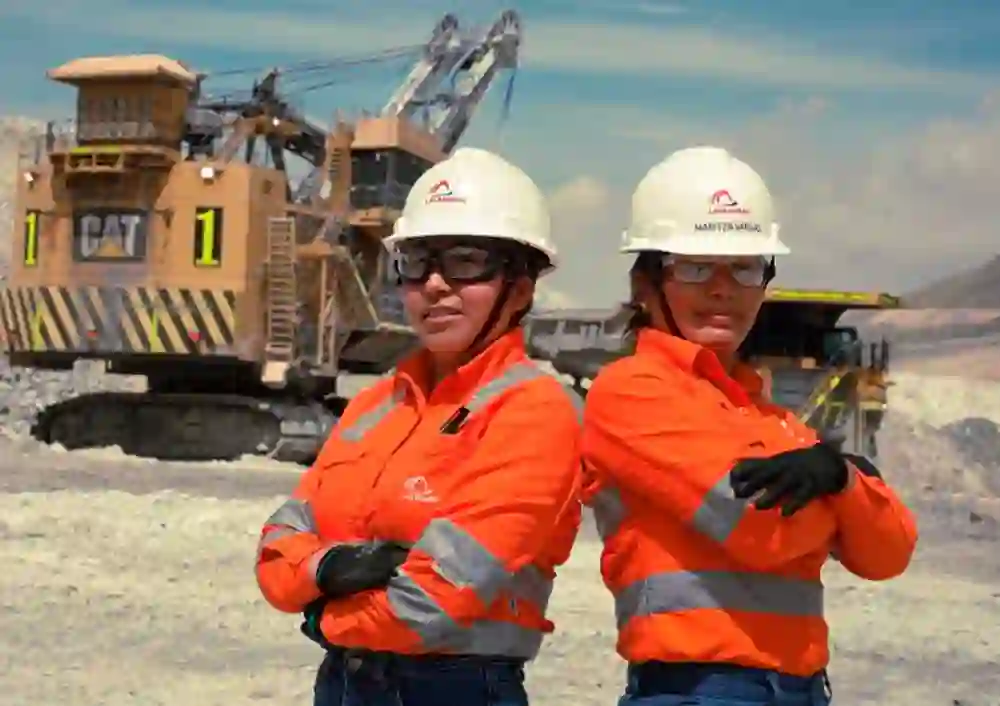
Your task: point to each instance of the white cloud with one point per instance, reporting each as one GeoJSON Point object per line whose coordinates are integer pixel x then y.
{"type": "Point", "coordinates": [616, 49]}
{"type": "Point", "coordinates": [587, 222]}
{"type": "Point", "coordinates": [749, 58]}
{"type": "Point", "coordinates": [547, 297]}
{"type": "Point", "coordinates": [889, 213]}
{"type": "Point", "coordinates": [659, 8]}
{"type": "Point", "coordinates": [575, 205]}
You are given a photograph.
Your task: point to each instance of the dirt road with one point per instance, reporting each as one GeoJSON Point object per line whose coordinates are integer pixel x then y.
{"type": "Point", "coordinates": [117, 590]}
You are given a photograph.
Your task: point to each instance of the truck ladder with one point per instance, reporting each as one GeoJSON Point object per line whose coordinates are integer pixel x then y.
{"type": "Point", "coordinates": [821, 393]}
{"type": "Point", "coordinates": [282, 301]}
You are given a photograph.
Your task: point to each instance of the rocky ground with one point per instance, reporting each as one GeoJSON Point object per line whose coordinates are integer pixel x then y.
{"type": "Point", "coordinates": [128, 581]}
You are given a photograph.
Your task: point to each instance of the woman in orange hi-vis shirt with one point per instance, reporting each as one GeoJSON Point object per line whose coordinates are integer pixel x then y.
{"type": "Point", "coordinates": [422, 544]}
{"type": "Point", "coordinates": [718, 509]}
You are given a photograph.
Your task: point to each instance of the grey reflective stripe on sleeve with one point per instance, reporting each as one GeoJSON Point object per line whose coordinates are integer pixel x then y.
{"type": "Point", "coordinates": [609, 511]}
{"type": "Point", "coordinates": [463, 562]}
{"type": "Point", "coordinates": [531, 585]}
{"type": "Point", "coordinates": [272, 535]}
{"type": "Point", "coordinates": [294, 513]}
{"type": "Point", "coordinates": [678, 591]}
{"type": "Point", "coordinates": [356, 430]}
{"type": "Point", "coordinates": [292, 517]}
{"type": "Point", "coordinates": [438, 631]}
{"type": "Point", "coordinates": [720, 511]}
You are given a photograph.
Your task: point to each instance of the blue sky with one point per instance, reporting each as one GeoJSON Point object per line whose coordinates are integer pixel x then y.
{"type": "Point", "coordinates": [821, 95]}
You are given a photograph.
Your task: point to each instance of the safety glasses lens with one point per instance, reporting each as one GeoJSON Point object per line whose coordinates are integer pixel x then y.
{"type": "Point", "coordinates": [458, 263]}
{"type": "Point", "coordinates": [465, 262]}
{"type": "Point", "coordinates": [748, 274]}
{"type": "Point", "coordinates": [693, 272]}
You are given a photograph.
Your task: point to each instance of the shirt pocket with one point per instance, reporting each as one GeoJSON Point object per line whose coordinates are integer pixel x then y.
{"type": "Point", "coordinates": [339, 452]}
{"type": "Point", "coordinates": [779, 435]}
{"type": "Point", "coordinates": [445, 452]}
{"type": "Point", "coordinates": [343, 489]}
{"type": "Point", "coordinates": [433, 474]}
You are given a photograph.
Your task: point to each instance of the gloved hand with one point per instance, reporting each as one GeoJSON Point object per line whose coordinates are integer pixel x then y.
{"type": "Point", "coordinates": [352, 568]}
{"type": "Point", "coordinates": [864, 466]}
{"type": "Point", "coordinates": [310, 623]}
{"type": "Point", "coordinates": [791, 479]}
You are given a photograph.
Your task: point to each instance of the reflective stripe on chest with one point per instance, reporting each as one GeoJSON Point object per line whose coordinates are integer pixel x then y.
{"type": "Point", "coordinates": [482, 397]}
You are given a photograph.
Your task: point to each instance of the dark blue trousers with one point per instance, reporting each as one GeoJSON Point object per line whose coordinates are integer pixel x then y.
{"type": "Point", "coordinates": [357, 678]}
{"type": "Point", "coordinates": [662, 684]}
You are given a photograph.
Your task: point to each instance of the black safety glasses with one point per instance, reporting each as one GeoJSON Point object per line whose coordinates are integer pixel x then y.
{"type": "Point", "coordinates": [751, 273]}
{"type": "Point", "coordinates": [455, 263]}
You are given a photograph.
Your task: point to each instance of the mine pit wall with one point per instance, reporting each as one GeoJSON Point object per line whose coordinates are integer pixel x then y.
{"type": "Point", "coordinates": [188, 279]}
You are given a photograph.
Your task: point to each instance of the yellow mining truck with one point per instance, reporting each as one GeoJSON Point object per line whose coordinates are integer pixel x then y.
{"type": "Point", "coordinates": [833, 380]}
{"type": "Point", "coordinates": [836, 382]}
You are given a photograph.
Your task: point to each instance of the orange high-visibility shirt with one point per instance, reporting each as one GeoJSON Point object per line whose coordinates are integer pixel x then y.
{"type": "Point", "coordinates": [482, 475]}
{"type": "Point", "coordinates": [698, 575]}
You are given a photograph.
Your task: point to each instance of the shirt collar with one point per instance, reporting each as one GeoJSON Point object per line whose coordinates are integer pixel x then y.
{"type": "Point", "coordinates": [699, 361]}
{"type": "Point", "coordinates": [487, 365]}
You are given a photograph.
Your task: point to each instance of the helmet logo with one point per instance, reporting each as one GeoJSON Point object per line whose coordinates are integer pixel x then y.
{"type": "Point", "coordinates": [441, 192]}
{"type": "Point", "coordinates": [723, 202]}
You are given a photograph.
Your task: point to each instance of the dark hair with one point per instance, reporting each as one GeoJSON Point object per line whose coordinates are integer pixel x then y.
{"type": "Point", "coordinates": [646, 265]}
{"type": "Point", "coordinates": [525, 261]}
{"type": "Point", "coordinates": [638, 318]}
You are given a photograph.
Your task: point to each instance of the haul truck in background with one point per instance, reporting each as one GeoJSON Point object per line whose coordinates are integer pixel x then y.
{"type": "Point", "coordinates": [835, 382]}
{"type": "Point", "coordinates": [162, 234]}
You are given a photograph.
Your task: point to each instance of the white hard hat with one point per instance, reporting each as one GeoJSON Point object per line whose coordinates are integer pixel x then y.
{"type": "Point", "coordinates": [703, 201]}
{"type": "Point", "coordinates": [477, 193]}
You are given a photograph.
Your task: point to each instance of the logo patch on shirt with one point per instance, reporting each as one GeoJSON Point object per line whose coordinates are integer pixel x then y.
{"type": "Point", "coordinates": [418, 490]}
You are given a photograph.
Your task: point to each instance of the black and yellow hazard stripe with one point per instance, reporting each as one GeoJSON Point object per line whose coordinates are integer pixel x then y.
{"type": "Point", "coordinates": [119, 319]}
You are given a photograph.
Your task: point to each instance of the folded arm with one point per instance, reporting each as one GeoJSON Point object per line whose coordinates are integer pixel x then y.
{"type": "Point", "coordinates": [648, 438]}
{"type": "Point", "coordinates": [876, 532]}
{"type": "Point", "coordinates": [290, 548]}
{"type": "Point", "coordinates": [506, 500]}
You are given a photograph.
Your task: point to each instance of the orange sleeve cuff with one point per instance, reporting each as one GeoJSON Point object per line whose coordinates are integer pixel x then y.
{"type": "Point", "coordinates": [877, 533]}
{"type": "Point", "coordinates": [366, 619]}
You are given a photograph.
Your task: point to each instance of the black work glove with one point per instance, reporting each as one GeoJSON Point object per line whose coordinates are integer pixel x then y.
{"type": "Point", "coordinates": [353, 568]}
{"type": "Point", "coordinates": [310, 623]}
{"type": "Point", "coordinates": [864, 466]}
{"type": "Point", "coordinates": [791, 479]}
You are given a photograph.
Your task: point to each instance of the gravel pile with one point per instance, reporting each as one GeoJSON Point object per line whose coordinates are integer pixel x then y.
{"type": "Point", "coordinates": [24, 392]}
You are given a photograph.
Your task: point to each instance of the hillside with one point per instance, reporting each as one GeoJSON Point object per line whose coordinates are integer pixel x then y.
{"type": "Point", "coordinates": [973, 288]}
{"type": "Point", "coordinates": [955, 318]}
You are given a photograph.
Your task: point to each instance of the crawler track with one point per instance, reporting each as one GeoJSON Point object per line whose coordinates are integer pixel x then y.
{"type": "Point", "coordinates": [188, 427]}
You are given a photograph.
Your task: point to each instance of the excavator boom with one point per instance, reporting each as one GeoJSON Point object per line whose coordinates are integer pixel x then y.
{"type": "Point", "coordinates": [164, 235]}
